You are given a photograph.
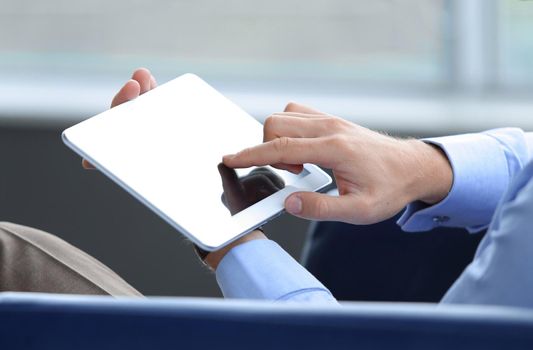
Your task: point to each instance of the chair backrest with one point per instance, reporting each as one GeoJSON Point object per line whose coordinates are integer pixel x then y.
{"type": "Point", "coordinates": [409, 268]}
{"type": "Point", "coordinates": [33, 321]}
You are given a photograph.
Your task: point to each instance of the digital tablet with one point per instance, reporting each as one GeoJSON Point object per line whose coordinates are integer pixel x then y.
{"type": "Point", "coordinates": [165, 148]}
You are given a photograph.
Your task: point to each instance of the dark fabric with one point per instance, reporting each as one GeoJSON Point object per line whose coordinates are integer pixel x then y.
{"type": "Point", "coordinates": [35, 261]}
{"type": "Point", "coordinates": [96, 323]}
{"type": "Point", "coordinates": [382, 263]}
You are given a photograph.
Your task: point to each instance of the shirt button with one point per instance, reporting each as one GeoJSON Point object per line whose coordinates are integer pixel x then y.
{"type": "Point", "coordinates": [441, 219]}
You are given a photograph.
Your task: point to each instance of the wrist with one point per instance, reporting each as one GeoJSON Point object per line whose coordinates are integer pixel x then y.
{"type": "Point", "coordinates": [431, 174]}
{"type": "Point", "coordinates": [214, 258]}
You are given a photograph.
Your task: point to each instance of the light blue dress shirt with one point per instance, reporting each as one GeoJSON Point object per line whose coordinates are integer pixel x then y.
{"type": "Point", "coordinates": [492, 187]}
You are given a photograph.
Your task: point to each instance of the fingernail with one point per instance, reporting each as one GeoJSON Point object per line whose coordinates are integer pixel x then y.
{"type": "Point", "coordinates": [293, 205]}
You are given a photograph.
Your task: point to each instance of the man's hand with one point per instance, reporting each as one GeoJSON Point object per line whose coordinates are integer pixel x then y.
{"type": "Point", "coordinates": [141, 81]}
{"type": "Point", "coordinates": [377, 175]}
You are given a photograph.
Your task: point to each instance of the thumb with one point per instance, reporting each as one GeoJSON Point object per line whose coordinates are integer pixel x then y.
{"type": "Point", "coordinates": [318, 206]}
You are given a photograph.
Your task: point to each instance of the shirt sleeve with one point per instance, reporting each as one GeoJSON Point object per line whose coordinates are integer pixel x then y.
{"type": "Point", "coordinates": [500, 273]}
{"type": "Point", "coordinates": [483, 165]}
{"type": "Point", "coordinates": [261, 269]}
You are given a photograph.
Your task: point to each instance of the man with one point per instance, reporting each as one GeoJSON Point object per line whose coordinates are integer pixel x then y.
{"type": "Point", "coordinates": [467, 181]}
{"type": "Point", "coordinates": [452, 181]}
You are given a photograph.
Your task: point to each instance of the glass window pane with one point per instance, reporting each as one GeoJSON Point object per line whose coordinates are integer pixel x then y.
{"type": "Point", "coordinates": [516, 42]}
{"type": "Point", "coordinates": [340, 41]}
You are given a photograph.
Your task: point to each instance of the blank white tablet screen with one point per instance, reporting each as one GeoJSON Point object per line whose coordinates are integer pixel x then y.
{"type": "Point", "coordinates": [165, 146]}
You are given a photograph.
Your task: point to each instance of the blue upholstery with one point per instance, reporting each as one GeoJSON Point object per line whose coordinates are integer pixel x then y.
{"type": "Point", "coordinates": [40, 321]}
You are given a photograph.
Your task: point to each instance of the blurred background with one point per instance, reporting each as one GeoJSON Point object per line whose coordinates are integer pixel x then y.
{"type": "Point", "coordinates": [409, 67]}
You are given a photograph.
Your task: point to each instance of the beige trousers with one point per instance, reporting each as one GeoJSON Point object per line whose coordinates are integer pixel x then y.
{"type": "Point", "coordinates": [35, 261]}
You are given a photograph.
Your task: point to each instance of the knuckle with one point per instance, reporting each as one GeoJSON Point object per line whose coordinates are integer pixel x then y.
{"type": "Point", "coordinates": [336, 123]}
{"type": "Point", "coordinates": [291, 106]}
{"type": "Point", "coordinates": [269, 121]}
{"type": "Point", "coordinates": [332, 122]}
{"type": "Point", "coordinates": [321, 208]}
{"type": "Point", "coordinates": [338, 141]}
{"type": "Point", "coordinates": [269, 127]}
{"type": "Point", "coordinates": [244, 154]}
{"type": "Point", "coordinates": [281, 144]}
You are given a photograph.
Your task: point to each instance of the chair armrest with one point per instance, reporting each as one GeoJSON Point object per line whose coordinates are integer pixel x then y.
{"type": "Point", "coordinates": [41, 321]}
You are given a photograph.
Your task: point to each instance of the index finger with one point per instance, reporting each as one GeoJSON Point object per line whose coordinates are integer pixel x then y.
{"type": "Point", "coordinates": [284, 150]}
{"type": "Point", "coordinates": [128, 92]}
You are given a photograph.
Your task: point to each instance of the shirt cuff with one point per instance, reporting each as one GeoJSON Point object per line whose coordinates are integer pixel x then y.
{"type": "Point", "coordinates": [261, 269]}
{"type": "Point", "coordinates": [480, 177]}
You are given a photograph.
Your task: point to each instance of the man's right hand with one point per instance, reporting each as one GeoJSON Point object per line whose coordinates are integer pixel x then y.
{"type": "Point", "coordinates": [141, 81]}
{"type": "Point", "coordinates": [377, 175]}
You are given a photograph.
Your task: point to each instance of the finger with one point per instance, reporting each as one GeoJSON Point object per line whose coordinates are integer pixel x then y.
{"type": "Point", "coordinates": [318, 206]}
{"type": "Point", "coordinates": [284, 150]}
{"type": "Point", "coordinates": [301, 115]}
{"type": "Point", "coordinates": [129, 91]}
{"type": "Point", "coordinates": [153, 82]}
{"type": "Point", "coordinates": [143, 77]}
{"type": "Point", "coordinates": [299, 108]}
{"type": "Point", "coordinates": [86, 165]}
{"type": "Point", "coordinates": [281, 125]}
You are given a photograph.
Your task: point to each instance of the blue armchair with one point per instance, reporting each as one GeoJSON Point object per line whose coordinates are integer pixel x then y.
{"type": "Point", "coordinates": [43, 321]}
